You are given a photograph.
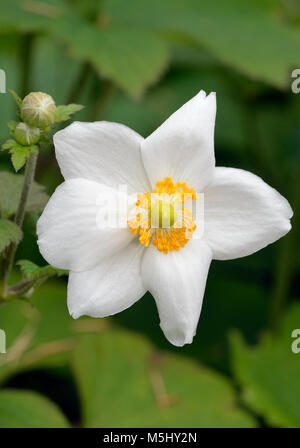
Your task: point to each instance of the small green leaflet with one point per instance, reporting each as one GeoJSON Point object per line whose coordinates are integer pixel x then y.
{"type": "Point", "coordinates": [9, 233]}
{"type": "Point", "coordinates": [33, 271]}
{"type": "Point", "coordinates": [63, 113]}
{"type": "Point", "coordinates": [19, 153]}
{"type": "Point", "coordinates": [8, 144]}
{"type": "Point", "coordinates": [34, 276]}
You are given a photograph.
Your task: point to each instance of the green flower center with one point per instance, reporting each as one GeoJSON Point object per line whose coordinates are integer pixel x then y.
{"type": "Point", "coordinates": [162, 214]}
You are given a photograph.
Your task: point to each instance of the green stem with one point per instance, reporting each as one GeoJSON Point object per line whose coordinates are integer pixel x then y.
{"type": "Point", "coordinates": [26, 62]}
{"type": "Point", "coordinates": [286, 265]}
{"type": "Point", "coordinates": [103, 99]}
{"type": "Point", "coordinates": [257, 151]}
{"type": "Point", "coordinates": [19, 217]}
{"type": "Point", "coordinates": [79, 83]}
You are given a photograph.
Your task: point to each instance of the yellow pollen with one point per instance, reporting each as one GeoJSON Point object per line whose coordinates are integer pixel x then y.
{"type": "Point", "coordinates": [161, 217]}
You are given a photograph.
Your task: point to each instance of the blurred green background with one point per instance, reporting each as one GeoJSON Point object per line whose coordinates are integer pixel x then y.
{"type": "Point", "coordinates": [136, 62]}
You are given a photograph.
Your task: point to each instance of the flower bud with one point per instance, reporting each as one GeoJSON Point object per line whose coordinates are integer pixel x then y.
{"type": "Point", "coordinates": [38, 110]}
{"type": "Point", "coordinates": [25, 135]}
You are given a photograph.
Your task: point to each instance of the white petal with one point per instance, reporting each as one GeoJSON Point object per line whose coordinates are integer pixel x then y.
{"type": "Point", "coordinates": [242, 214]}
{"type": "Point", "coordinates": [111, 287]}
{"type": "Point", "coordinates": [73, 230]}
{"type": "Point", "coordinates": [177, 282]}
{"type": "Point", "coordinates": [108, 153]}
{"type": "Point", "coordinates": [183, 146]}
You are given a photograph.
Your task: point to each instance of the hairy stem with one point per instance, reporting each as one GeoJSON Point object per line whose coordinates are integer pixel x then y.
{"type": "Point", "coordinates": [19, 217]}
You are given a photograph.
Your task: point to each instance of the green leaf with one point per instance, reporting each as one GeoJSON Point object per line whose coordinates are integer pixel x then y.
{"type": "Point", "coordinates": [38, 334]}
{"type": "Point", "coordinates": [31, 270]}
{"type": "Point", "coordinates": [18, 17]}
{"type": "Point", "coordinates": [63, 113]}
{"type": "Point", "coordinates": [10, 193]}
{"type": "Point", "coordinates": [16, 98]}
{"type": "Point", "coordinates": [158, 389]}
{"type": "Point", "coordinates": [133, 57]}
{"type": "Point", "coordinates": [9, 233]}
{"type": "Point", "coordinates": [24, 409]}
{"type": "Point", "coordinates": [247, 36]}
{"type": "Point", "coordinates": [34, 276]}
{"type": "Point", "coordinates": [8, 144]}
{"type": "Point", "coordinates": [269, 373]}
{"type": "Point", "coordinates": [19, 155]}
{"type": "Point", "coordinates": [130, 44]}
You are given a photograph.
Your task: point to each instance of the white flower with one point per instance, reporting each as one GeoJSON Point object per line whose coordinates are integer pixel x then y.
{"type": "Point", "coordinates": [111, 268]}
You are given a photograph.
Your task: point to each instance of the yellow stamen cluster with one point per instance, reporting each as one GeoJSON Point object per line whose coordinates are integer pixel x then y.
{"type": "Point", "coordinates": [162, 217]}
{"type": "Point", "coordinates": [167, 186]}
